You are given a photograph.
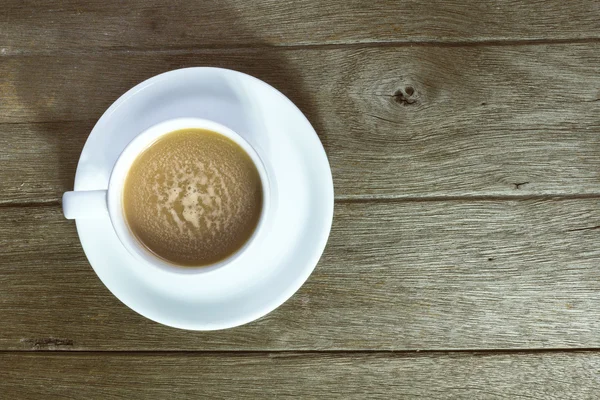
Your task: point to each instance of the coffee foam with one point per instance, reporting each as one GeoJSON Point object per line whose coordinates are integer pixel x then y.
{"type": "Point", "coordinates": [193, 196]}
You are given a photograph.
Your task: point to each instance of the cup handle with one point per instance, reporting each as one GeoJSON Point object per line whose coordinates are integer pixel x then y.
{"type": "Point", "coordinates": [84, 204]}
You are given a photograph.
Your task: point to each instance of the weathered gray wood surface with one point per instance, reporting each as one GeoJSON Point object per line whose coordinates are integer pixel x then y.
{"type": "Point", "coordinates": [558, 376]}
{"type": "Point", "coordinates": [76, 25]}
{"type": "Point", "coordinates": [464, 140]}
{"type": "Point", "coordinates": [395, 276]}
{"type": "Point", "coordinates": [396, 122]}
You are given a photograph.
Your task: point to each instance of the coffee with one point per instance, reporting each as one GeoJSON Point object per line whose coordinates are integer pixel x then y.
{"type": "Point", "coordinates": [193, 197]}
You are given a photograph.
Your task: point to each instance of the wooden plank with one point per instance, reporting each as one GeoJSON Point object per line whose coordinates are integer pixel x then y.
{"type": "Point", "coordinates": [395, 276]}
{"type": "Point", "coordinates": [38, 161]}
{"type": "Point", "coordinates": [73, 25]}
{"type": "Point", "coordinates": [483, 121]}
{"type": "Point", "coordinates": [570, 375]}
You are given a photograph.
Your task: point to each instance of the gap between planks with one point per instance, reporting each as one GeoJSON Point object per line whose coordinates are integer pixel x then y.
{"type": "Point", "coordinates": [293, 353]}
{"type": "Point", "coordinates": [325, 46]}
{"type": "Point", "coordinates": [382, 199]}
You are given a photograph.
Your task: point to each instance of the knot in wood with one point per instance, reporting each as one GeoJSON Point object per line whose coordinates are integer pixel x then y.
{"type": "Point", "coordinates": [405, 96]}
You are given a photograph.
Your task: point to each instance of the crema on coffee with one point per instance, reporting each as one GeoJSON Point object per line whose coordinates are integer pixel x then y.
{"type": "Point", "coordinates": [193, 198]}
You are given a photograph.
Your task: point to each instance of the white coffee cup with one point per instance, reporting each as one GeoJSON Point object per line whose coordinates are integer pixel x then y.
{"type": "Point", "coordinates": [97, 203]}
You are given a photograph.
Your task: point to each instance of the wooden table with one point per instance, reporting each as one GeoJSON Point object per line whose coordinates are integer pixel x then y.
{"type": "Point", "coordinates": [464, 140]}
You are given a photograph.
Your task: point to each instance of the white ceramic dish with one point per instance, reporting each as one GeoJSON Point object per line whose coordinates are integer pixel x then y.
{"type": "Point", "coordinates": [280, 261]}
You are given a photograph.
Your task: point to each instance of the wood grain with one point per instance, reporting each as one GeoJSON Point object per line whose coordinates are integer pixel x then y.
{"type": "Point", "coordinates": [395, 276]}
{"type": "Point", "coordinates": [396, 122]}
{"type": "Point", "coordinates": [76, 25]}
{"type": "Point", "coordinates": [450, 127]}
{"type": "Point", "coordinates": [308, 376]}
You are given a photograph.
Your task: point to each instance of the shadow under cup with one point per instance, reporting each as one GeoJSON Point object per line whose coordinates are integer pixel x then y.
{"type": "Point", "coordinates": [138, 244]}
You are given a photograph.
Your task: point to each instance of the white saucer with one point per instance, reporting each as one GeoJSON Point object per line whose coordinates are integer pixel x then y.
{"type": "Point", "coordinates": [285, 255]}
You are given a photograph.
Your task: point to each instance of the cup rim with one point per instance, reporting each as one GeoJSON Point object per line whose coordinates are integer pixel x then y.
{"type": "Point", "coordinates": [121, 168]}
